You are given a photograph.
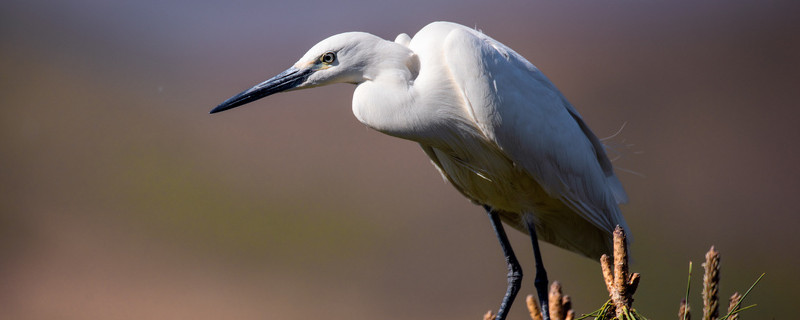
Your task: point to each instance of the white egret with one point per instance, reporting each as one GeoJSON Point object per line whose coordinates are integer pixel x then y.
{"type": "Point", "coordinates": [496, 128]}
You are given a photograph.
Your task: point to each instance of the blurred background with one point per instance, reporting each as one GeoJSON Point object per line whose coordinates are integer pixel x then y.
{"type": "Point", "coordinates": [121, 198]}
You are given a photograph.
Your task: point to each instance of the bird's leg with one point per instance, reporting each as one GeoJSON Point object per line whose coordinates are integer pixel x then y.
{"type": "Point", "coordinates": [514, 269]}
{"type": "Point", "coordinates": [540, 280]}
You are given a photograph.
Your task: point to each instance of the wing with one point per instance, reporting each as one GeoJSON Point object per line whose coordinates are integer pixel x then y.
{"type": "Point", "coordinates": [522, 112]}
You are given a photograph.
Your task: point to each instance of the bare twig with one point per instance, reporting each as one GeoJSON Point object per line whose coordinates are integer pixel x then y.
{"type": "Point", "coordinates": [608, 271]}
{"type": "Point", "coordinates": [683, 311]}
{"type": "Point", "coordinates": [620, 283]}
{"type": "Point", "coordinates": [736, 298]}
{"type": "Point", "coordinates": [559, 305]}
{"type": "Point", "coordinates": [555, 299]}
{"type": "Point", "coordinates": [533, 307]}
{"type": "Point", "coordinates": [566, 305]}
{"type": "Point", "coordinates": [633, 284]}
{"type": "Point", "coordinates": [711, 285]}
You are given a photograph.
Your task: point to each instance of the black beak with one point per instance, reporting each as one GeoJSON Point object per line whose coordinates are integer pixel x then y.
{"type": "Point", "coordinates": [285, 81]}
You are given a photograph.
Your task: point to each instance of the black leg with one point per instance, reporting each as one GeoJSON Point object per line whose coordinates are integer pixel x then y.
{"type": "Point", "coordinates": [514, 269]}
{"type": "Point", "coordinates": [540, 280]}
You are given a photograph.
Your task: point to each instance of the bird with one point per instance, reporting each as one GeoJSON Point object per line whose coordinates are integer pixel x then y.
{"type": "Point", "coordinates": [495, 127]}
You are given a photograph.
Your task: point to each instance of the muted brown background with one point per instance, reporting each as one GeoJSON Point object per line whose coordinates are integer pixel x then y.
{"type": "Point", "coordinates": [121, 198]}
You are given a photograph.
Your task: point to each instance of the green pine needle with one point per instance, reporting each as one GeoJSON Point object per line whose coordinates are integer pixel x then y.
{"type": "Point", "coordinates": [688, 286]}
{"type": "Point", "coordinates": [736, 307]}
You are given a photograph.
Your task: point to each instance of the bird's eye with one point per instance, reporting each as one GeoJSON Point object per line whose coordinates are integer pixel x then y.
{"type": "Point", "coordinates": [328, 57]}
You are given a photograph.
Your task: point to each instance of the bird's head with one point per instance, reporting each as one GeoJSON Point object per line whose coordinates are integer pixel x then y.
{"type": "Point", "coordinates": [352, 57]}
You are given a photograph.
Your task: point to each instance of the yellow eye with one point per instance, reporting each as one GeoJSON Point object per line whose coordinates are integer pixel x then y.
{"type": "Point", "coordinates": [328, 57]}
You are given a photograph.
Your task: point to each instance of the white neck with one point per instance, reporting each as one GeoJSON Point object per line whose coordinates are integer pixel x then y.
{"type": "Point", "coordinates": [385, 103]}
{"type": "Point", "coordinates": [386, 100]}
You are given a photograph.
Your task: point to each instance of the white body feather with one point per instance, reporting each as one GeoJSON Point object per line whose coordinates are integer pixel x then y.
{"type": "Point", "coordinates": [490, 121]}
{"type": "Point", "coordinates": [499, 131]}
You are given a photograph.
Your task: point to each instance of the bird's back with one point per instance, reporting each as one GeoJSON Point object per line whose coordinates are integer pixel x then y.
{"type": "Point", "coordinates": [507, 138]}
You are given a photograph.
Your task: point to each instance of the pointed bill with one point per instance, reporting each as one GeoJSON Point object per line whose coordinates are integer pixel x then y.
{"type": "Point", "coordinates": [284, 81]}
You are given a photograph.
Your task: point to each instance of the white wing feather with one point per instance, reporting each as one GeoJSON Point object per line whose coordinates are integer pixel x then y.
{"type": "Point", "coordinates": [522, 112]}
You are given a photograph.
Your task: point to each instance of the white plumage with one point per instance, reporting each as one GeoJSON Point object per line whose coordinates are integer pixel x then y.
{"type": "Point", "coordinates": [496, 128]}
